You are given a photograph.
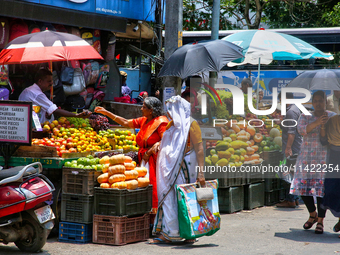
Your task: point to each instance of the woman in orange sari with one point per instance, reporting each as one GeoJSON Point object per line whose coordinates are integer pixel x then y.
{"type": "Point", "coordinates": [152, 126]}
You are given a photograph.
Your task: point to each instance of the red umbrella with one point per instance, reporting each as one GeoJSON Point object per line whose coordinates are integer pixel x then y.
{"type": "Point", "coordinates": [47, 46]}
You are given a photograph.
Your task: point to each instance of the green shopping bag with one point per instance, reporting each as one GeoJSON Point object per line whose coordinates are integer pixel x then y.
{"type": "Point", "coordinates": [195, 218]}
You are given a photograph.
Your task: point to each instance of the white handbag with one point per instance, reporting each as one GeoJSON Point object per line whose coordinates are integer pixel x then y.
{"type": "Point", "coordinates": [78, 84]}
{"type": "Point", "coordinates": [204, 194]}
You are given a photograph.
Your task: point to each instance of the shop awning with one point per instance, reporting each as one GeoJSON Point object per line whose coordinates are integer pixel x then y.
{"type": "Point", "coordinates": [44, 13]}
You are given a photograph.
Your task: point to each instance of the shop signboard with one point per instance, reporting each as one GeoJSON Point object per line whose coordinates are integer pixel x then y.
{"type": "Point", "coordinates": [168, 92]}
{"type": "Point", "coordinates": [79, 5]}
{"type": "Point", "coordinates": [15, 122]}
{"type": "Point", "coordinates": [131, 9]}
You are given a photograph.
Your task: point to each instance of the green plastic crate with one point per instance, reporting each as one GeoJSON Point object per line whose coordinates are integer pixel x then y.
{"type": "Point", "coordinates": [230, 199]}
{"type": "Point", "coordinates": [79, 181]}
{"type": "Point", "coordinates": [272, 197]}
{"type": "Point", "coordinates": [46, 162]}
{"type": "Point", "coordinates": [115, 202]}
{"type": "Point", "coordinates": [77, 208]}
{"type": "Point", "coordinates": [253, 195]}
{"type": "Point", "coordinates": [272, 184]}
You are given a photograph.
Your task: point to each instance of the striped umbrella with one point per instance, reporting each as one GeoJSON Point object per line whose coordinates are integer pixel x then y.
{"type": "Point", "coordinates": [47, 46]}
{"type": "Point", "coordinates": [263, 46]}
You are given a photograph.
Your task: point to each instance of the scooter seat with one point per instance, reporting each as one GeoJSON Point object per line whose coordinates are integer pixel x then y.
{"type": "Point", "coordinates": [13, 172]}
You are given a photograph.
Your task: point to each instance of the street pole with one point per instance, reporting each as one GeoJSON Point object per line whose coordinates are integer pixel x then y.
{"type": "Point", "coordinates": [173, 38]}
{"type": "Point", "coordinates": [214, 36]}
{"type": "Point", "coordinates": [158, 25]}
{"type": "Point", "coordinates": [215, 20]}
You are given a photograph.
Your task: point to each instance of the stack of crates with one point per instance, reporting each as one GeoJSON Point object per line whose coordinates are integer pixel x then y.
{"type": "Point", "coordinates": [284, 190]}
{"type": "Point", "coordinates": [254, 189]}
{"type": "Point", "coordinates": [77, 205]}
{"type": "Point", "coordinates": [121, 216]}
{"type": "Point", "coordinates": [230, 191]}
{"type": "Point", "coordinates": [272, 181]}
{"type": "Point", "coordinates": [272, 190]}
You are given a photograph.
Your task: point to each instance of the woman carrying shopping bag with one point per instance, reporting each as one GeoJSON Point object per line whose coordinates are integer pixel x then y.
{"type": "Point", "coordinates": [181, 150]}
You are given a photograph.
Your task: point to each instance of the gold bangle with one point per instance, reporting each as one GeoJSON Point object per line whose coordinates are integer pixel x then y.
{"type": "Point", "coordinates": [115, 117]}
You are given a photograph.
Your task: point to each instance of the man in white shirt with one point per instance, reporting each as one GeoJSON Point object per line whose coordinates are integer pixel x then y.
{"type": "Point", "coordinates": [34, 94]}
{"type": "Point", "coordinates": [333, 102]}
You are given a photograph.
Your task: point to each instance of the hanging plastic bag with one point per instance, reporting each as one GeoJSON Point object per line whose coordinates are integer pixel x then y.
{"type": "Point", "coordinates": [4, 75]}
{"type": "Point", "coordinates": [146, 165]}
{"type": "Point", "coordinates": [287, 169]}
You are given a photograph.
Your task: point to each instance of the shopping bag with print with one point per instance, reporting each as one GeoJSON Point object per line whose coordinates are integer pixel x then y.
{"type": "Point", "coordinates": [197, 218]}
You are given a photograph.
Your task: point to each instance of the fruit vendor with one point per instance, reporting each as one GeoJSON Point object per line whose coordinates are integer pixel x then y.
{"type": "Point", "coordinates": [245, 84]}
{"type": "Point", "coordinates": [34, 94]}
{"type": "Point", "coordinates": [152, 126]}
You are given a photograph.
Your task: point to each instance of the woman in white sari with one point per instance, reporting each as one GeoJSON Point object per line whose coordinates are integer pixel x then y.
{"type": "Point", "coordinates": [172, 169]}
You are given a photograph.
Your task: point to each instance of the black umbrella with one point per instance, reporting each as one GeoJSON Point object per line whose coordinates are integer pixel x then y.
{"type": "Point", "coordinates": [192, 59]}
{"type": "Point", "coordinates": [323, 79]}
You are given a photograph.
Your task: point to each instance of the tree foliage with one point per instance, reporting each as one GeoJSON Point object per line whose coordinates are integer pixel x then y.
{"type": "Point", "coordinates": [236, 14]}
{"type": "Point", "coordinates": [197, 16]}
{"type": "Point", "coordinates": [332, 18]}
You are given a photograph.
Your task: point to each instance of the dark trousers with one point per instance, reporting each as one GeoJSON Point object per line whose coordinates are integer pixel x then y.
{"type": "Point", "coordinates": [309, 202]}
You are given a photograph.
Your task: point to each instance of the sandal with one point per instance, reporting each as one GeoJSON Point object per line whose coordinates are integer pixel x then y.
{"type": "Point", "coordinates": [158, 240]}
{"type": "Point", "coordinates": [336, 227]}
{"type": "Point", "coordinates": [309, 224]}
{"type": "Point", "coordinates": [319, 228]}
{"type": "Point", "coordinates": [191, 241]}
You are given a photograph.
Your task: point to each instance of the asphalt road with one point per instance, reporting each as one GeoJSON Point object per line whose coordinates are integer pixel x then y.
{"type": "Point", "coordinates": [266, 230]}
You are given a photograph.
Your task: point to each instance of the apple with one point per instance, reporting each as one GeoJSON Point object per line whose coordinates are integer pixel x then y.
{"type": "Point", "coordinates": [62, 120]}
{"type": "Point", "coordinates": [69, 145]}
{"type": "Point", "coordinates": [47, 127]}
{"type": "Point", "coordinates": [263, 143]}
{"type": "Point", "coordinates": [55, 123]}
{"type": "Point", "coordinates": [266, 148]}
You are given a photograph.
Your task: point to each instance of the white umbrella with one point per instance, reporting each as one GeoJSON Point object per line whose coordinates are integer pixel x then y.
{"type": "Point", "coordinates": [263, 46]}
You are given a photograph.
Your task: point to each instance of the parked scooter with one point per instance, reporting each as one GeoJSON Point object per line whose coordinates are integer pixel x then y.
{"type": "Point", "coordinates": [25, 218]}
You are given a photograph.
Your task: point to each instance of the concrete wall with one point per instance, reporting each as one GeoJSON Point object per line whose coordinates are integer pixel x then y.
{"type": "Point", "coordinates": [127, 111]}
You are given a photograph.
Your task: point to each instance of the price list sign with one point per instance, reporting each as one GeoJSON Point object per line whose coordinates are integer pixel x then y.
{"type": "Point", "coordinates": [15, 122]}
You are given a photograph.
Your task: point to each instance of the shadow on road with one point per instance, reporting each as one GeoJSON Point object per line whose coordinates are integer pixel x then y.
{"type": "Point", "coordinates": [194, 246]}
{"type": "Point", "coordinates": [308, 236]}
{"type": "Point", "coordinates": [12, 250]}
{"type": "Point", "coordinates": [298, 208]}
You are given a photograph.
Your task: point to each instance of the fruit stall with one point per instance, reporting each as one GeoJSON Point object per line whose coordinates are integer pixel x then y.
{"type": "Point", "coordinates": [248, 141]}
{"type": "Point", "coordinates": [100, 189]}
